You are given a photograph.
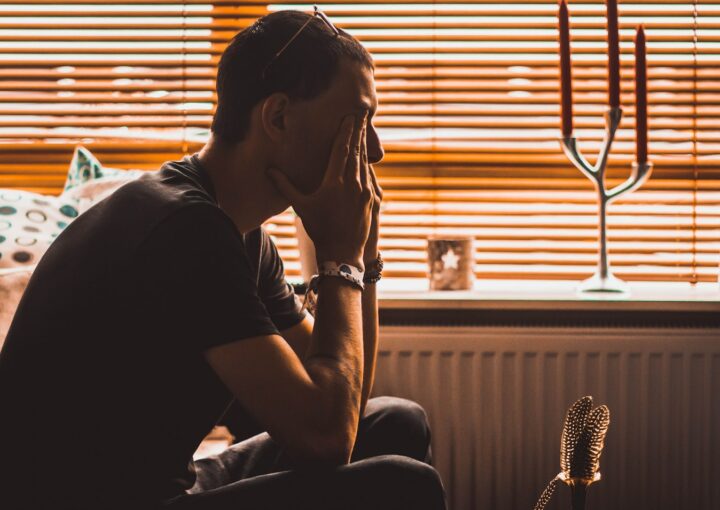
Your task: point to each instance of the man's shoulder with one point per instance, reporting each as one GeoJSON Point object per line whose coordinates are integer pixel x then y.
{"type": "Point", "coordinates": [196, 221]}
{"type": "Point", "coordinates": [175, 185]}
{"type": "Point", "coordinates": [160, 204]}
{"type": "Point", "coordinates": [174, 193]}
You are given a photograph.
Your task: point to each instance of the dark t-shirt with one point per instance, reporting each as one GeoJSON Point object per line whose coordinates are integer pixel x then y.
{"type": "Point", "coordinates": [104, 390]}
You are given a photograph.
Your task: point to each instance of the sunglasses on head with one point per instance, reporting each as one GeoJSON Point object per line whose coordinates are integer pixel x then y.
{"type": "Point", "coordinates": [317, 13]}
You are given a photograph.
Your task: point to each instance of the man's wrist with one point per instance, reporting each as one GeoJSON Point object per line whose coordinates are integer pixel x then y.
{"type": "Point", "coordinates": [342, 270]}
{"type": "Point", "coordinates": [373, 270]}
{"type": "Point", "coordinates": [355, 261]}
{"type": "Point", "coordinates": [335, 281]}
{"type": "Point", "coordinates": [370, 259]}
{"type": "Point", "coordinates": [370, 254]}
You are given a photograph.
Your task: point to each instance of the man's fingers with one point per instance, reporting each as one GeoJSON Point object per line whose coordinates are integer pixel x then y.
{"type": "Point", "coordinates": [341, 149]}
{"type": "Point", "coordinates": [284, 186]}
{"type": "Point", "coordinates": [364, 177]}
{"type": "Point", "coordinates": [352, 166]}
{"type": "Point", "coordinates": [376, 186]}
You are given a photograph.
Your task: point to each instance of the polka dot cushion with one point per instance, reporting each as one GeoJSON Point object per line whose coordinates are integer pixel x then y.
{"type": "Point", "coordinates": [85, 167]}
{"type": "Point", "coordinates": [89, 182]}
{"type": "Point", "coordinates": [29, 222]}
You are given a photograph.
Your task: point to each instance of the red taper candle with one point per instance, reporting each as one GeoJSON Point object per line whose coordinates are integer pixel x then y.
{"type": "Point", "coordinates": [613, 54]}
{"type": "Point", "coordinates": [565, 70]}
{"type": "Point", "coordinates": [641, 126]}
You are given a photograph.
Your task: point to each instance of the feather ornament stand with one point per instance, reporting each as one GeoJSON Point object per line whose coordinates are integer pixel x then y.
{"type": "Point", "coordinates": [581, 444]}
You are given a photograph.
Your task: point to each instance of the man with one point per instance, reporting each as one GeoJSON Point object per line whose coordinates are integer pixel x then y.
{"type": "Point", "coordinates": [162, 303]}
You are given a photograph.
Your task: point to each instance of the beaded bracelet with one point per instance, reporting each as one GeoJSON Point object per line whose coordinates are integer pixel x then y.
{"type": "Point", "coordinates": [373, 271]}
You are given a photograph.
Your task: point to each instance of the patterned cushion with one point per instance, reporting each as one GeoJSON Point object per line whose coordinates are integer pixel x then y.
{"type": "Point", "coordinates": [89, 182]}
{"type": "Point", "coordinates": [85, 167]}
{"type": "Point", "coordinates": [29, 222]}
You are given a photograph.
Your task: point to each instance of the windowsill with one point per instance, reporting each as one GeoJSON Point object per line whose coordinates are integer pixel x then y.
{"type": "Point", "coordinates": [404, 292]}
{"type": "Point", "coordinates": [543, 303]}
{"type": "Point", "coordinates": [549, 303]}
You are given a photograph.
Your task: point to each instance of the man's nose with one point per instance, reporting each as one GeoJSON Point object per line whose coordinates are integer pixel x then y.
{"type": "Point", "coordinates": [375, 150]}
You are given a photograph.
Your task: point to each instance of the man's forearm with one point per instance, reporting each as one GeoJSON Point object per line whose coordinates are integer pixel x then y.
{"type": "Point", "coordinates": [370, 340]}
{"type": "Point", "coordinates": [335, 357]}
{"type": "Point", "coordinates": [370, 323]}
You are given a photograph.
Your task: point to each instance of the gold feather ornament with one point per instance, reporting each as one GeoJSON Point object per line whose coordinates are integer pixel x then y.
{"type": "Point", "coordinates": [581, 444]}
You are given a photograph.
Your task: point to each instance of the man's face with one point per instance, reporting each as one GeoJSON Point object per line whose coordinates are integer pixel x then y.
{"type": "Point", "coordinates": [315, 124]}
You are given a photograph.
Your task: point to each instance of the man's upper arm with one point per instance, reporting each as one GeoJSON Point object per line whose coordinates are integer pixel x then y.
{"type": "Point", "coordinates": [270, 382]}
{"type": "Point", "coordinates": [195, 271]}
{"type": "Point", "coordinates": [299, 336]}
{"type": "Point", "coordinates": [284, 307]}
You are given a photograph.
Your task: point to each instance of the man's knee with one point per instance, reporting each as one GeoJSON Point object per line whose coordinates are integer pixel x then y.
{"type": "Point", "coordinates": [403, 412]}
{"type": "Point", "coordinates": [406, 483]}
{"type": "Point", "coordinates": [403, 420]}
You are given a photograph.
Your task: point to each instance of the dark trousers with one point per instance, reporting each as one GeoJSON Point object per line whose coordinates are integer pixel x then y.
{"type": "Point", "coordinates": [389, 469]}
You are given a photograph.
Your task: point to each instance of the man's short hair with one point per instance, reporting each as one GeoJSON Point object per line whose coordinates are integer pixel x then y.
{"type": "Point", "coordinates": [304, 70]}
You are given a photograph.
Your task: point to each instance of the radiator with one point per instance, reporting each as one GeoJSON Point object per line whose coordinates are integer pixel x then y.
{"type": "Point", "coordinates": [496, 399]}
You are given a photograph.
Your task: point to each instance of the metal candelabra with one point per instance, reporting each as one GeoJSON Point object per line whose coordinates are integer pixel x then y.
{"type": "Point", "coordinates": [603, 280]}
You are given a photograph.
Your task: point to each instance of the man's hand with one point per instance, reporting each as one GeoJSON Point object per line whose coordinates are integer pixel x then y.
{"type": "Point", "coordinates": [371, 246]}
{"type": "Point", "coordinates": [338, 215]}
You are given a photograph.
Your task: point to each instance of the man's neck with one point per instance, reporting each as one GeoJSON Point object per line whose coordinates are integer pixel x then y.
{"type": "Point", "coordinates": [242, 190]}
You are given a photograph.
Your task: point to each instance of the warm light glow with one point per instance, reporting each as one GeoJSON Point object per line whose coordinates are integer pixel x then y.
{"type": "Point", "coordinates": [468, 115]}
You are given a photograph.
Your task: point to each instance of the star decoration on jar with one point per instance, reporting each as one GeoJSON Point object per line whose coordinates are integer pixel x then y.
{"type": "Point", "coordinates": [450, 259]}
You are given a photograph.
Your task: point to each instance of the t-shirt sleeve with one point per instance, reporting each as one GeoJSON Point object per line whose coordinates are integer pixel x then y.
{"type": "Point", "coordinates": [284, 306]}
{"type": "Point", "coordinates": [197, 273]}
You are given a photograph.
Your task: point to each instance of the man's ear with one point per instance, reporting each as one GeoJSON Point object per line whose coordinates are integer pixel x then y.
{"type": "Point", "coordinates": [273, 114]}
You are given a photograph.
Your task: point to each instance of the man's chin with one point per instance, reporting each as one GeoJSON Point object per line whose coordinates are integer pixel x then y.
{"type": "Point", "coordinates": [280, 206]}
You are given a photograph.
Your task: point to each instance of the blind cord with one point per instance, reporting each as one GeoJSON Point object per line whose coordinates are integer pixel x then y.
{"type": "Point", "coordinates": [184, 147]}
{"type": "Point", "coordinates": [694, 276]}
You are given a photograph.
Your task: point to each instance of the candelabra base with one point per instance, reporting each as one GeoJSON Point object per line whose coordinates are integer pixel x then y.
{"type": "Point", "coordinates": [603, 284]}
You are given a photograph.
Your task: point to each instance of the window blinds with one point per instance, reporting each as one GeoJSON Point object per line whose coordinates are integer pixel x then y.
{"type": "Point", "coordinates": [468, 114]}
{"type": "Point", "coordinates": [132, 80]}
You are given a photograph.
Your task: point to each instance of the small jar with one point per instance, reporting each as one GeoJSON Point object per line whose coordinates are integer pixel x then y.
{"type": "Point", "coordinates": [451, 263]}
